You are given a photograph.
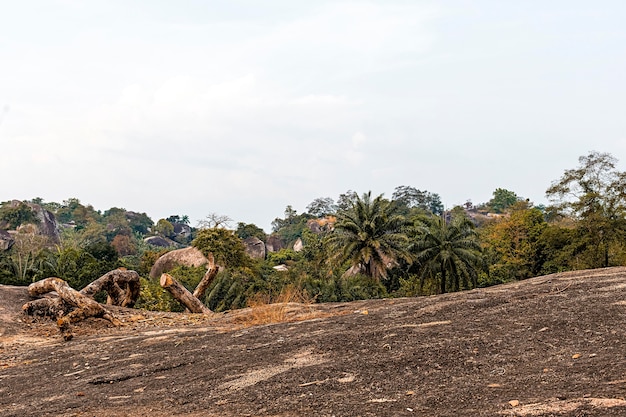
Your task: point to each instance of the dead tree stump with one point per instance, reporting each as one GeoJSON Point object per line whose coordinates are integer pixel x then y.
{"type": "Point", "coordinates": [84, 306]}
{"type": "Point", "coordinates": [122, 287]}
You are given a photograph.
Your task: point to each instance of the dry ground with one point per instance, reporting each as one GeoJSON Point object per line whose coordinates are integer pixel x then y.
{"type": "Point", "coordinates": [548, 346]}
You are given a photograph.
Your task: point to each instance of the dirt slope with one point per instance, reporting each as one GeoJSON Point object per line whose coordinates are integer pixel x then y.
{"type": "Point", "coordinates": [549, 346]}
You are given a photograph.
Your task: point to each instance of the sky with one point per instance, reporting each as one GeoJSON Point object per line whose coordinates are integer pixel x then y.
{"type": "Point", "coordinates": [242, 107]}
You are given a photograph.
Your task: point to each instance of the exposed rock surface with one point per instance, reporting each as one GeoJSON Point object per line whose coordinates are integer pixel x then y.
{"type": "Point", "coordinates": [548, 346]}
{"type": "Point", "coordinates": [255, 248]}
{"type": "Point", "coordinates": [298, 245]}
{"type": "Point", "coordinates": [160, 241]}
{"type": "Point", "coordinates": [47, 225]}
{"type": "Point", "coordinates": [274, 243]}
{"type": "Point", "coordinates": [186, 257]}
{"type": "Point", "coordinates": [6, 240]}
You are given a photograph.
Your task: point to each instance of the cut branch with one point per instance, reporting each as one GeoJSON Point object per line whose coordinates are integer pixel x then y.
{"type": "Point", "coordinates": [207, 279]}
{"type": "Point", "coordinates": [183, 295]}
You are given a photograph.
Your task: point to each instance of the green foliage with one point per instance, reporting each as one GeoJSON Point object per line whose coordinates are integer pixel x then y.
{"type": "Point", "coordinates": [370, 236]}
{"type": "Point", "coordinates": [227, 248]}
{"type": "Point", "coordinates": [284, 256]}
{"type": "Point", "coordinates": [321, 207]}
{"type": "Point", "coordinates": [164, 228]}
{"type": "Point", "coordinates": [514, 244]}
{"type": "Point", "coordinates": [290, 228]}
{"type": "Point", "coordinates": [449, 252]}
{"type": "Point", "coordinates": [594, 195]}
{"type": "Point", "coordinates": [411, 197]}
{"type": "Point", "coordinates": [154, 298]}
{"type": "Point", "coordinates": [16, 216]}
{"type": "Point", "coordinates": [245, 231]}
{"type": "Point", "coordinates": [502, 200]}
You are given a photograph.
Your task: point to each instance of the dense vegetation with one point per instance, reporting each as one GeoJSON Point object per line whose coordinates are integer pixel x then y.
{"type": "Point", "coordinates": [360, 246]}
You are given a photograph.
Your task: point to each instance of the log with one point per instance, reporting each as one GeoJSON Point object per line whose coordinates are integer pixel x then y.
{"type": "Point", "coordinates": [183, 295]}
{"type": "Point", "coordinates": [84, 306]}
{"type": "Point", "coordinates": [207, 279]}
{"type": "Point", "coordinates": [122, 287]}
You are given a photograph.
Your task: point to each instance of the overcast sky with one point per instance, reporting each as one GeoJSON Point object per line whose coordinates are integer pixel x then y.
{"type": "Point", "coordinates": [243, 107]}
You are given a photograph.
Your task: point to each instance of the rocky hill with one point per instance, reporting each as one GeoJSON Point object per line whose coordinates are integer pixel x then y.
{"type": "Point", "coordinates": [548, 346]}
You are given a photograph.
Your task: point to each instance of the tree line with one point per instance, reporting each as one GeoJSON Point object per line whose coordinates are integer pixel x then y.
{"type": "Point", "coordinates": [359, 246]}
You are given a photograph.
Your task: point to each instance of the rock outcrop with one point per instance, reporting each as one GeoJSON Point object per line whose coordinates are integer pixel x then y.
{"type": "Point", "coordinates": [190, 256]}
{"type": "Point", "coordinates": [46, 224]}
{"type": "Point", "coordinates": [160, 241]}
{"type": "Point", "coordinates": [6, 240]}
{"type": "Point", "coordinates": [298, 245]}
{"type": "Point", "coordinates": [274, 244]}
{"type": "Point", "coordinates": [255, 248]}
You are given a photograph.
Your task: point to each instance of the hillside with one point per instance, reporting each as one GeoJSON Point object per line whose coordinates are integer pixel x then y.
{"type": "Point", "coordinates": [548, 346]}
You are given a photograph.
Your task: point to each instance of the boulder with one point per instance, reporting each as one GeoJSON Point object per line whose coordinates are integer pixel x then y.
{"type": "Point", "coordinates": [160, 241]}
{"type": "Point", "coordinates": [255, 248]}
{"type": "Point", "coordinates": [190, 256]}
{"type": "Point", "coordinates": [298, 245]}
{"type": "Point", "coordinates": [6, 240]}
{"type": "Point", "coordinates": [47, 225]}
{"type": "Point", "coordinates": [274, 244]}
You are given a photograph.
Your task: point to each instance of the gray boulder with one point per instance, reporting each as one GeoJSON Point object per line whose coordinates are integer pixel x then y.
{"type": "Point", "coordinates": [274, 244]}
{"type": "Point", "coordinates": [298, 245]}
{"type": "Point", "coordinates": [6, 240]}
{"type": "Point", "coordinates": [190, 256]}
{"type": "Point", "coordinates": [160, 242]}
{"type": "Point", "coordinates": [255, 248]}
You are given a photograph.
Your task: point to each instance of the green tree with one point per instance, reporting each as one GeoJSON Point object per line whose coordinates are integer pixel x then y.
{"type": "Point", "coordinates": [227, 249]}
{"type": "Point", "coordinates": [246, 230]}
{"type": "Point", "coordinates": [14, 215]}
{"type": "Point", "coordinates": [370, 236]}
{"type": "Point", "coordinates": [449, 250]}
{"type": "Point", "coordinates": [321, 207]}
{"type": "Point", "coordinates": [411, 197]}
{"type": "Point", "coordinates": [164, 228]}
{"type": "Point", "coordinates": [514, 243]}
{"type": "Point", "coordinates": [594, 195]}
{"type": "Point", "coordinates": [502, 199]}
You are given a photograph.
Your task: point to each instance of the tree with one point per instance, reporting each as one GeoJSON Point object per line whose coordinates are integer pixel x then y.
{"type": "Point", "coordinates": [214, 220]}
{"type": "Point", "coordinates": [245, 231]}
{"type": "Point", "coordinates": [14, 215]}
{"type": "Point", "coordinates": [370, 236]}
{"type": "Point", "coordinates": [164, 228]}
{"type": "Point", "coordinates": [346, 200]}
{"type": "Point", "coordinates": [502, 199]}
{"type": "Point", "coordinates": [413, 198]}
{"type": "Point", "coordinates": [594, 194]}
{"type": "Point", "coordinates": [321, 207]}
{"type": "Point", "coordinates": [515, 243]}
{"type": "Point", "coordinates": [227, 249]}
{"type": "Point", "coordinates": [448, 250]}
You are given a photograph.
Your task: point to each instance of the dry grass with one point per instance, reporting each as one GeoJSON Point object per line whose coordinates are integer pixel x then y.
{"type": "Point", "coordinates": [291, 305]}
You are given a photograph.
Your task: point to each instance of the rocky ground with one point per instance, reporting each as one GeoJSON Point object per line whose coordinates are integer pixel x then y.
{"type": "Point", "coordinates": [549, 346]}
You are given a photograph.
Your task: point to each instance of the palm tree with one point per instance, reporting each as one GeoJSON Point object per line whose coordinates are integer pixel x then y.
{"type": "Point", "coordinates": [447, 249]}
{"type": "Point", "coordinates": [370, 235]}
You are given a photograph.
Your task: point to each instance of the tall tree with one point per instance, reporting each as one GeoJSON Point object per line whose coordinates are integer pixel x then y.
{"type": "Point", "coordinates": [448, 250]}
{"type": "Point", "coordinates": [411, 197]}
{"type": "Point", "coordinates": [370, 235]}
{"type": "Point", "coordinates": [502, 199]}
{"type": "Point", "coordinates": [594, 194]}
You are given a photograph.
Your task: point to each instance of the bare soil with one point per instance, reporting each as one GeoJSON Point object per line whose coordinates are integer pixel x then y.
{"type": "Point", "coordinates": [548, 346]}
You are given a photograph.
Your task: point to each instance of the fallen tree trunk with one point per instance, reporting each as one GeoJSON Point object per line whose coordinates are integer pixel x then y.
{"type": "Point", "coordinates": [183, 295]}
{"type": "Point", "coordinates": [207, 279]}
{"type": "Point", "coordinates": [84, 306]}
{"type": "Point", "coordinates": [122, 287]}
